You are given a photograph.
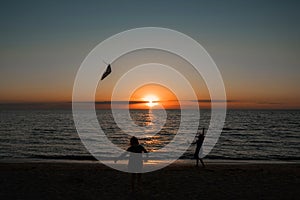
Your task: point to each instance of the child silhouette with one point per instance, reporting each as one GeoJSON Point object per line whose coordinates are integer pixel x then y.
{"type": "Point", "coordinates": [199, 143]}
{"type": "Point", "coordinates": [135, 163]}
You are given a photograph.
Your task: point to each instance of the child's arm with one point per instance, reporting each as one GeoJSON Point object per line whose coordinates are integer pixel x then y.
{"type": "Point", "coordinates": [121, 156]}
{"type": "Point", "coordinates": [146, 152]}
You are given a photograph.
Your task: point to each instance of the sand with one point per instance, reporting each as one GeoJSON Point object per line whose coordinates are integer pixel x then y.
{"type": "Point", "coordinates": [91, 180]}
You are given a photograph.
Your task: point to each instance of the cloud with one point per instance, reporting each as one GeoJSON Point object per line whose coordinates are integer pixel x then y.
{"type": "Point", "coordinates": [216, 101]}
{"type": "Point", "coordinates": [269, 103]}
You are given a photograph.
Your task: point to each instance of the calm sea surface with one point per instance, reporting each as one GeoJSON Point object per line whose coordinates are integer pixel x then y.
{"type": "Point", "coordinates": [247, 134]}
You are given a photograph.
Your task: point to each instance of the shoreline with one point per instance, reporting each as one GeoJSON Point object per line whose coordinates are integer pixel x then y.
{"type": "Point", "coordinates": [177, 162]}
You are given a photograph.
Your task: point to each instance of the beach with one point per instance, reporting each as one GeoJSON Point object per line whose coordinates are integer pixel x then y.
{"type": "Point", "coordinates": [181, 180]}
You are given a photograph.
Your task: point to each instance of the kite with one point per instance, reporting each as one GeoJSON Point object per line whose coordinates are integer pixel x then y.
{"type": "Point", "coordinates": [106, 73]}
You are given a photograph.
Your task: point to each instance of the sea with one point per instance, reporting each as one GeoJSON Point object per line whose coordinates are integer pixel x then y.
{"type": "Point", "coordinates": [50, 134]}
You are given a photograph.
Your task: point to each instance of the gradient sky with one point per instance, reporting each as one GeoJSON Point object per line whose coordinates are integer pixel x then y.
{"type": "Point", "coordinates": [255, 44]}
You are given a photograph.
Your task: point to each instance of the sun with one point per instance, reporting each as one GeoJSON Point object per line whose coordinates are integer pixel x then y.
{"type": "Point", "coordinates": [152, 100]}
{"type": "Point", "coordinates": [153, 96]}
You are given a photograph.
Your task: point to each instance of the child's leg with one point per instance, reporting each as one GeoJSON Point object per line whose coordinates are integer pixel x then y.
{"type": "Point", "coordinates": [202, 163]}
{"type": "Point", "coordinates": [133, 175]}
{"type": "Point", "coordinates": [139, 180]}
{"type": "Point", "coordinates": [197, 162]}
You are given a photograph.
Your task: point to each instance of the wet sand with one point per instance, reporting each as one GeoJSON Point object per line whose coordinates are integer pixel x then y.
{"type": "Point", "coordinates": [91, 180]}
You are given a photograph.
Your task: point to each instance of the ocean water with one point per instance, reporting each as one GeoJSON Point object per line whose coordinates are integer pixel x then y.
{"type": "Point", "coordinates": [247, 134]}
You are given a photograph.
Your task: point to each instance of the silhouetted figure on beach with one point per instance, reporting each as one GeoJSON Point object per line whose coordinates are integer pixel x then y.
{"type": "Point", "coordinates": [199, 142]}
{"type": "Point", "coordinates": [135, 163]}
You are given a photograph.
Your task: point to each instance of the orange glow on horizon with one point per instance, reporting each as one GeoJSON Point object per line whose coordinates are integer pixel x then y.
{"type": "Point", "coordinates": [154, 96]}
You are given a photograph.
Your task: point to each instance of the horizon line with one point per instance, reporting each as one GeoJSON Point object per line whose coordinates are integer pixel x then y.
{"type": "Point", "coordinates": [68, 105]}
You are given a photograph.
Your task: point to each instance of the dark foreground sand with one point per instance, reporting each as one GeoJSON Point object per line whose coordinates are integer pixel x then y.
{"type": "Point", "coordinates": [179, 181]}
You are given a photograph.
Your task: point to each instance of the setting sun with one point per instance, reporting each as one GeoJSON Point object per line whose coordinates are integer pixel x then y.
{"type": "Point", "coordinates": [152, 100]}
{"type": "Point", "coordinates": [153, 96]}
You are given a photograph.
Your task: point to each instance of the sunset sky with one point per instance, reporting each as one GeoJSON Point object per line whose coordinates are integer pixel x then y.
{"type": "Point", "coordinates": [255, 44]}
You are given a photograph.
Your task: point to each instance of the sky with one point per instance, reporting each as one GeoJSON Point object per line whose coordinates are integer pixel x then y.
{"type": "Point", "coordinates": [255, 44]}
